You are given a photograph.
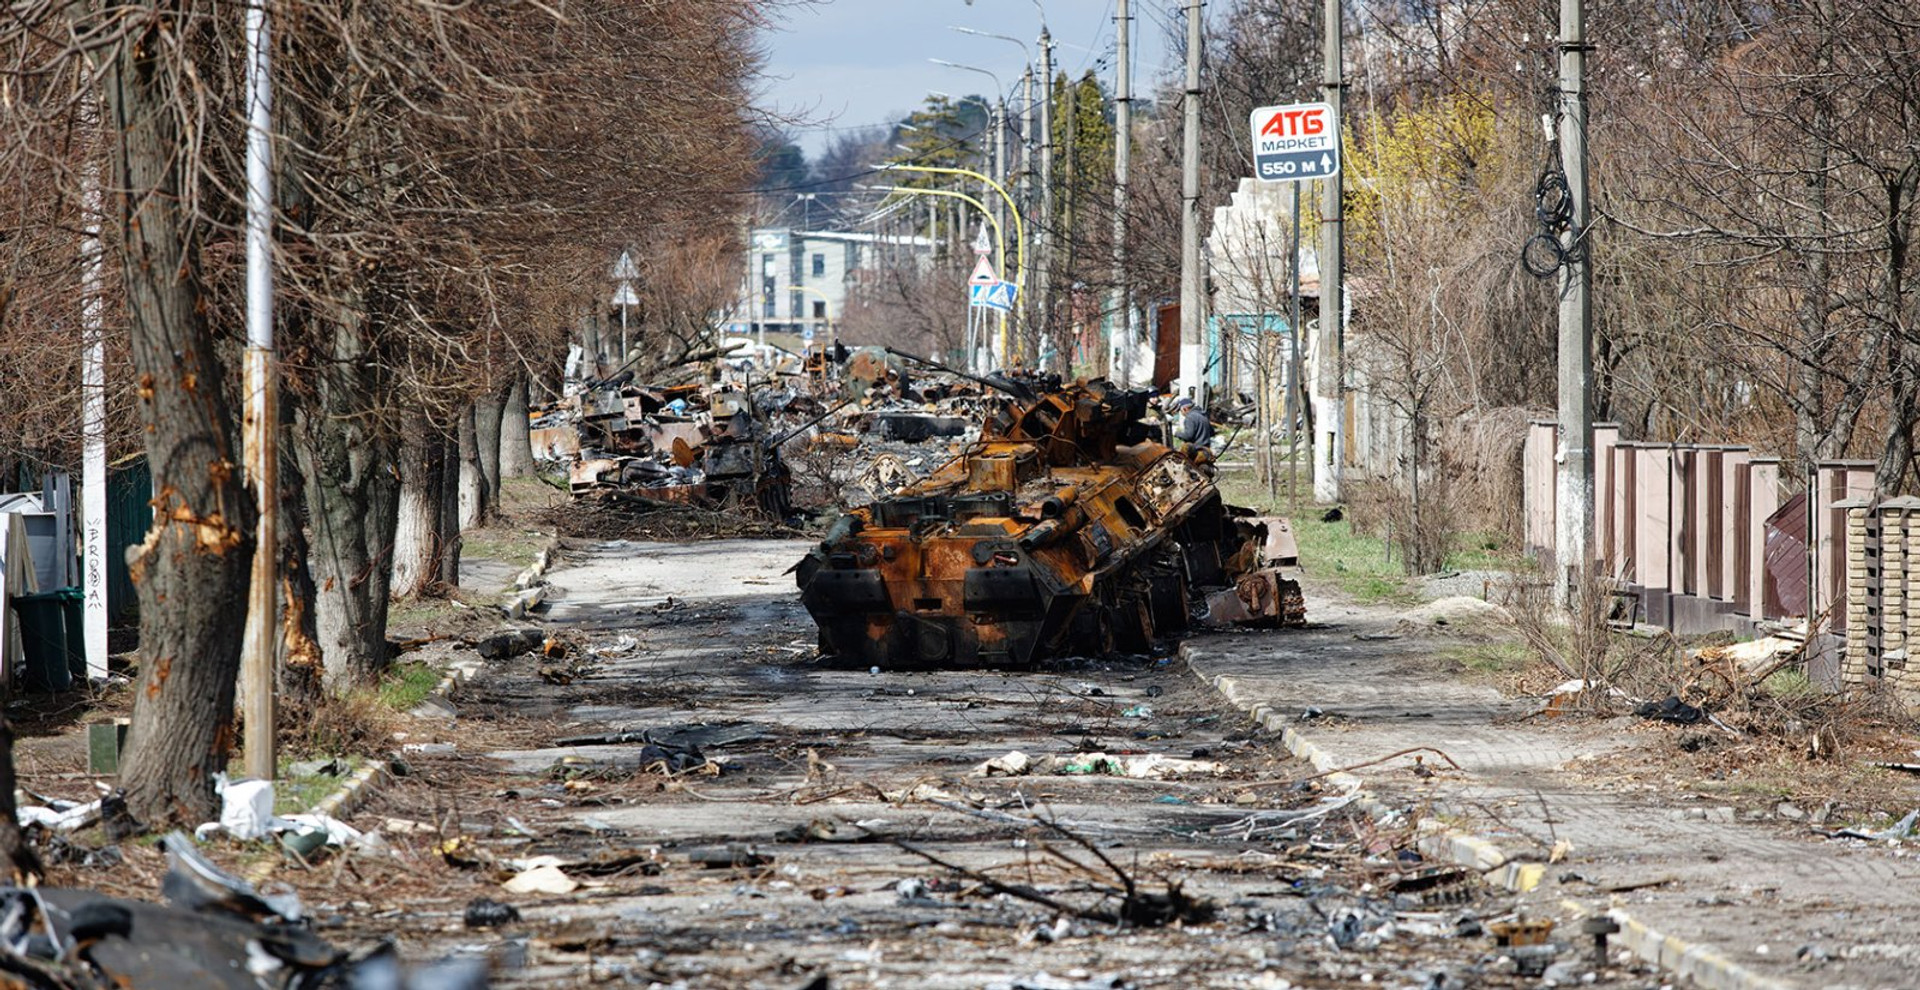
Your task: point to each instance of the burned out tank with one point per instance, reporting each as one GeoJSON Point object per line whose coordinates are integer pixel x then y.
{"type": "Point", "coordinates": [1067, 529]}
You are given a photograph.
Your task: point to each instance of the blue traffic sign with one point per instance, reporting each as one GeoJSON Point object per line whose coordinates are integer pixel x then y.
{"type": "Point", "coordinates": [999, 295]}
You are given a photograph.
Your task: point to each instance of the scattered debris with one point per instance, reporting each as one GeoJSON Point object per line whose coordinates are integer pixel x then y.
{"type": "Point", "coordinates": [1153, 766]}
{"type": "Point", "coordinates": [485, 912]}
{"type": "Point", "coordinates": [216, 931]}
{"type": "Point", "coordinates": [1671, 709]}
{"type": "Point", "coordinates": [510, 643]}
{"type": "Point", "coordinates": [1902, 829]}
{"type": "Point", "coordinates": [546, 878]}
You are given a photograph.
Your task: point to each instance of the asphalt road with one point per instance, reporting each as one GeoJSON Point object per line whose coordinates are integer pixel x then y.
{"type": "Point", "coordinates": [834, 824]}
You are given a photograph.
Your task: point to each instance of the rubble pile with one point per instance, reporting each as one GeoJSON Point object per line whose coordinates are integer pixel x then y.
{"type": "Point", "coordinates": [857, 425]}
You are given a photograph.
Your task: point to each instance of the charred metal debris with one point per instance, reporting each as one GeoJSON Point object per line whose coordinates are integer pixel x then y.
{"type": "Point", "coordinates": [727, 444]}
{"type": "Point", "coordinates": [215, 931]}
{"type": "Point", "coordinates": [978, 520]}
{"type": "Point", "coordinates": [1068, 526]}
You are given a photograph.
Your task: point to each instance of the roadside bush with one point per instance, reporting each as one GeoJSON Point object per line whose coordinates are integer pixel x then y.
{"type": "Point", "coordinates": [1418, 526]}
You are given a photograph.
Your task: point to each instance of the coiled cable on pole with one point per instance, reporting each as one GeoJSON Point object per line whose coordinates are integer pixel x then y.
{"type": "Point", "coordinates": [1543, 255]}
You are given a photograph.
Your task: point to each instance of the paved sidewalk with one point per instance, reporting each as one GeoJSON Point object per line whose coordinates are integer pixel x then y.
{"type": "Point", "coordinates": [1755, 891]}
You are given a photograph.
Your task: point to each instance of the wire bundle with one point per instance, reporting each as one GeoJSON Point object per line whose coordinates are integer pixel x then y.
{"type": "Point", "coordinates": [1543, 255]}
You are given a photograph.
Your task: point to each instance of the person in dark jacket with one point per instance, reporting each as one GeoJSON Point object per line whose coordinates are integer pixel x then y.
{"type": "Point", "coordinates": [1195, 430]}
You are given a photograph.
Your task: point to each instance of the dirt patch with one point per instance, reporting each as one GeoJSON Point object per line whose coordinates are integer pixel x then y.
{"type": "Point", "coordinates": [1459, 616]}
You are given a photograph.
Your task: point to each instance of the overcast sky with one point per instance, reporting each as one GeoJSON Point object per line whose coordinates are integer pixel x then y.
{"type": "Point", "coordinates": [851, 63]}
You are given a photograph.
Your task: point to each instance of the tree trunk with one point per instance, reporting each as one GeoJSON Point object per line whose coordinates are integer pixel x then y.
{"type": "Point", "coordinates": [297, 665]}
{"type": "Point", "coordinates": [1897, 454]}
{"type": "Point", "coordinates": [476, 503]}
{"type": "Point", "coordinates": [590, 366]}
{"type": "Point", "coordinates": [446, 539]}
{"type": "Point", "coordinates": [354, 500]}
{"type": "Point", "coordinates": [16, 856]}
{"type": "Point", "coordinates": [516, 439]}
{"type": "Point", "coordinates": [487, 412]}
{"type": "Point", "coordinates": [193, 567]}
{"type": "Point", "coordinates": [423, 548]}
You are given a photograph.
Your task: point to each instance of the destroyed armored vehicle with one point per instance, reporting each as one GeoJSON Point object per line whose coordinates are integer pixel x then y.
{"type": "Point", "coordinates": [1067, 529]}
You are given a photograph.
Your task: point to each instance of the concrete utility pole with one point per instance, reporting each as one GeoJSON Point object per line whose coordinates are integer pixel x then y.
{"type": "Point", "coordinates": [1191, 341]}
{"type": "Point", "coordinates": [1330, 404]}
{"type": "Point", "coordinates": [1119, 335]}
{"type": "Point", "coordinates": [93, 433]}
{"type": "Point", "coordinates": [262, 413]}
{"type": "Point", "coordinates": [999, 183]}
{"type": "Point", "coordinates": [1031, 261]}
{"type": "Point", "coordinates": [1573, 487]}
{"type": "Point", "coordinates": [1045, 274]}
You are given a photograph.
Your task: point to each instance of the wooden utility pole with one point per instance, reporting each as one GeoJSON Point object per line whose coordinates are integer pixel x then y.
{"type": "Point", "coordinates": [1330, 358]}
{"type": "Point", "coordinates": [1573, 487]}
{"type": "Point", "coordinates": [1119, 335]}
{"type": "Point", "coordinates": [1191, 305]}
{"type": "Point", "coordinates": [262, 412]}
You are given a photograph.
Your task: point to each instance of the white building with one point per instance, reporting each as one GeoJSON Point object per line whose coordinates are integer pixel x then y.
{"type": "Point", "coordinates": [799, 281]}
{"type": "Point", "coordinates": [1250, 268]}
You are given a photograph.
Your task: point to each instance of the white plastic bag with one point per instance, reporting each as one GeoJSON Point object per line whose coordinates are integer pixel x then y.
{"type": "Point", "coordinates": [246, 807]}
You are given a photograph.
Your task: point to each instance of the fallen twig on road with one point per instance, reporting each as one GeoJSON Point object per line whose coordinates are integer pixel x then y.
{"type": "Point", "coordinates": [1255, 823]}
{"type": "Point", "coordinates": [1291, 781]}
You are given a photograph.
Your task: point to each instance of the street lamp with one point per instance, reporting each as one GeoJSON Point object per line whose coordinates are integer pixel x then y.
{"type": "Point", "coordinates": [996, 120]}
{"type": "Point", "coordinates": [1036, 6]}
{"type": "Point", "coordinates": [971, 68]}
{"type": "Point", "coordinates": [1001, 37]}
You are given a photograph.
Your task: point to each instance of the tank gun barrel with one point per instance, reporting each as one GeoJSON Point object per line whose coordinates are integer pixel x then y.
{"type": "Point", "coordinates": [781, 438]}
{"type": "Point", "coordinates": [1015, 389]}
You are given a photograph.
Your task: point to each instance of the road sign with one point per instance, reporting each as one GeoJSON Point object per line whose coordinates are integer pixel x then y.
{"type": "Point", "coordinates": [1295, 142]}
{"type": "Point", "coordinates": [995, 295]}
{"type": "Point", "coordinates": [983, 273]}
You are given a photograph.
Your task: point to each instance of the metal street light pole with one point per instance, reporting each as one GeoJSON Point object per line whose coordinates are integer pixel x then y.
{"type": "Point", "coordinates": [1329, 450]}
{"type": "Point", "coordinates": [991, 118]}
{"type": "Point", "coordinates": [262, 419]}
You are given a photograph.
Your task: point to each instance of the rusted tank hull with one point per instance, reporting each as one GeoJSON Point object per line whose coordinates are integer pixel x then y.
{"type": "Point", "coordinates": [1065, 531]}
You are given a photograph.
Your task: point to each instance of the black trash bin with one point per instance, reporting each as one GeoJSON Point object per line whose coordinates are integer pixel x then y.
{"type": "Point", "coordinates": [43, 637]}
{"type": "Point", "coordinates": [75, 620]}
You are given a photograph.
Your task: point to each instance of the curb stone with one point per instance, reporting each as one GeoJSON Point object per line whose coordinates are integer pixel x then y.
{"type": "Point", "coordinates": [344, 800]}
{"type": "Point", "coordinates": [1702, 964]}
{"type": "Point", "coordinates": [349, 796]}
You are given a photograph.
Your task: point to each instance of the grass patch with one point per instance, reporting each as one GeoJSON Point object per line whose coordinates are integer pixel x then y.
{"type": "Point", "coordinates": [419, 612]}
{"type": "Point", "coordinates": [1357, 563]}
{"type": "Point", "coordinates": [1789, 684]}
{"type": "Point", "coordinates": [504, 543]}
{"type": "Point", "coordinates": [405, 685]}
{"type": "Point", "coordinates": [297, 793]}
{"type": "Point", "coordinates": [1481, 552]}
